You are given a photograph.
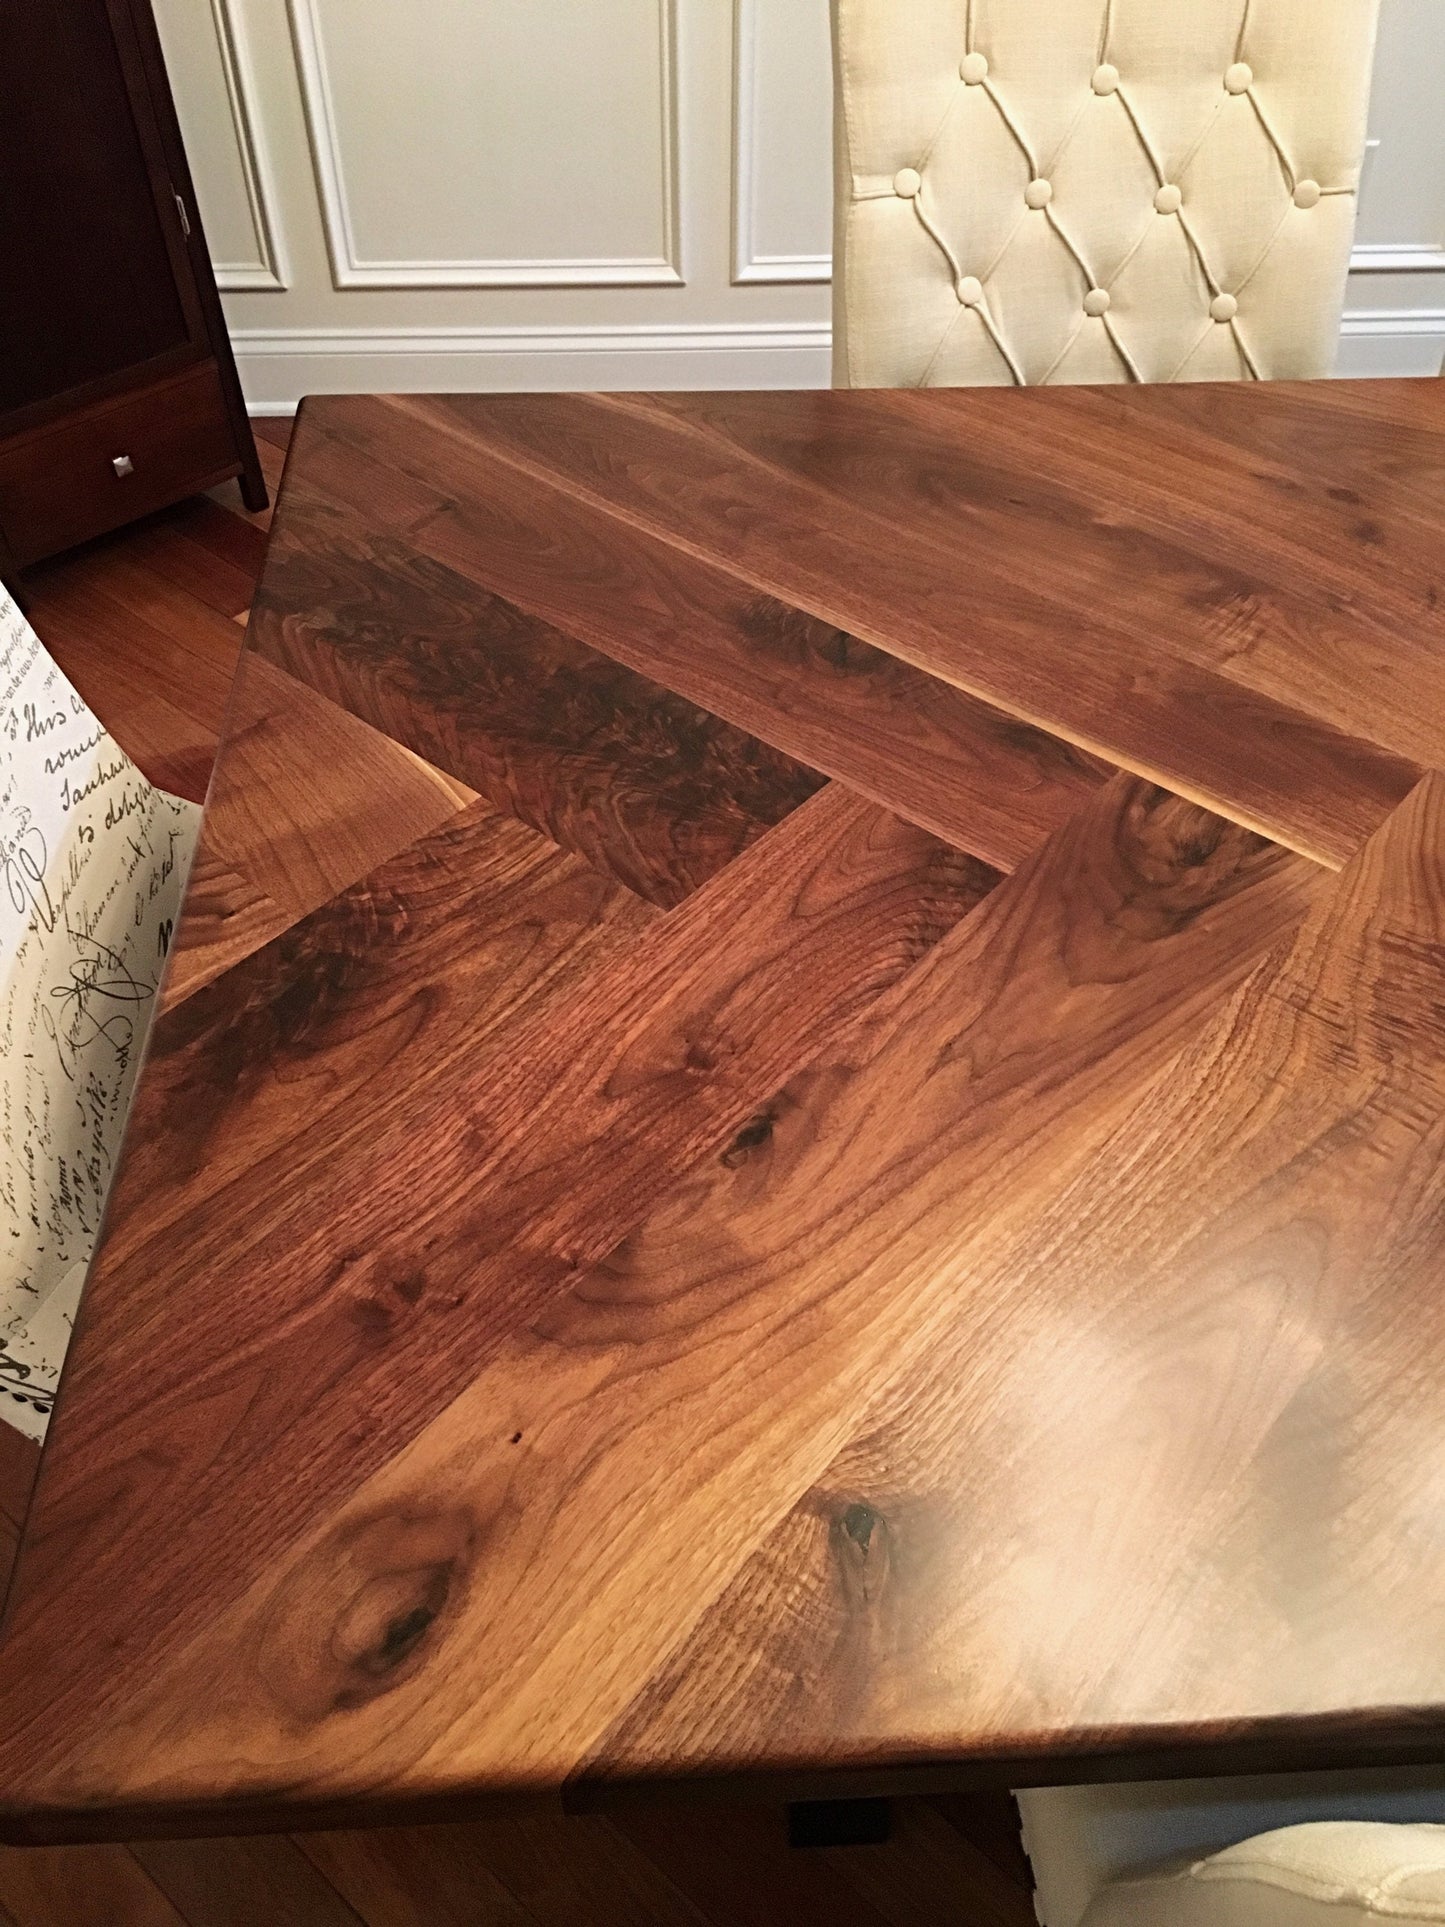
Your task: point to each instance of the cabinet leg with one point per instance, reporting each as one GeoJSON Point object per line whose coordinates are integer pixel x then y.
{"type": "Point", "coordinates": [253, 488]}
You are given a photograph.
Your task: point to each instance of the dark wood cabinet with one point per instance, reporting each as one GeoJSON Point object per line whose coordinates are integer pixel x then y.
{"type": "Point", "coordinates": [118, 391]}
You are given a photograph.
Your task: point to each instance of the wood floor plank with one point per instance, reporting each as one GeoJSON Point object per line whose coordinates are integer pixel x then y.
{"type": "Point", "coordinates": [275, 429]}
{"type": "Point", "coordinates": [81, 1887]}
{"type": "Point", "coordinates": [244, 1882]}
{"type": "Point", "coordinates": [956, 766]}
{"type": "Point", "coordinates": [719, 1350]}
{"type": "Point", "coordinates": [745, 1874]}
{"type": "Point", "coordinates": [418, 1877]}
{"type": "Point", "coordinates": [929, 1868]}
{"type": "Point", "coordinates": [648, 786]}
{"type": "Point", "coordinates": [1193, 1403]}
{"type": "Point", "coordinates": [177, 546]}
{"type": "Point", "coordinates": [561, 1872]}
{"type": "Point", "coordinates": [311, 799]}
{"type": "Point", "coordinates": [173, 749]}
{"type": "Point", "coordinates": [190, 644]}
{"type": "Point", "coordinates": [989, 620]}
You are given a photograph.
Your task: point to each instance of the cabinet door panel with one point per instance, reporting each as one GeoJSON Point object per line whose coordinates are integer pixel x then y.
{"type": "Point", "coordinates": [88, 287]}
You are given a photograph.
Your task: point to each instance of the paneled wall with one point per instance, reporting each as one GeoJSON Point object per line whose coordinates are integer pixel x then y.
{"type": "Point", "coordinates": [609, 193]}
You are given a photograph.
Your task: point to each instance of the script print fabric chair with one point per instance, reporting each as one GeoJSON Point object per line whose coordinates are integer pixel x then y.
{"type": "Point", "coordinates": [93, 862]}
{"type": "Point", "coordinates": [1094, 190]}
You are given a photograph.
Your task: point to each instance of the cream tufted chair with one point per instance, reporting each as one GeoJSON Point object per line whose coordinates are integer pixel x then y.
{"type": "Point", "coordinates": [1094, 190]}
{"type": "Point", "coordinates": [1330, 1874]}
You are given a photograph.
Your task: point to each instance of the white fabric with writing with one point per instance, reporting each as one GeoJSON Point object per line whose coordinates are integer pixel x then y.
{"type": "Point", "coordinates": [94, 861]}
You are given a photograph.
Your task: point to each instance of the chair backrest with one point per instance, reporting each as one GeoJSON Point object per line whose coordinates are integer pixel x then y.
{"type": "Point", "coordinates": [1094, 190]}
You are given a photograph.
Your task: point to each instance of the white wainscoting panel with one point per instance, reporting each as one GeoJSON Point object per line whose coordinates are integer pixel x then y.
{"type": "Point", "coordinates": [782, 141]}
{"type": "Point", "coordinates": [483, 144]}
{"type": "Point", "coordinates": [204, 44]}
{"type": "Point", "coordinates": [422, 194]}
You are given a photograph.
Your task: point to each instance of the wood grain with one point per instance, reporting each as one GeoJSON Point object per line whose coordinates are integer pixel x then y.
{"type": "Point", "coordinates": [927, 751]}
{"type": "Point", "coordinates": [659, 793]}
{"type": "Point", "coordinates": [637, 1264]}
{"type": "Point", "coordinates": [450, 944]}
{"type": "Point", "coordinates": [957, 1857]}
{"type": "Point", "coordinates": [990, 595]}
{"type": "Point", "coordinates": [533, 1166]}
{"type": "Point", "coordinates": [789, 1297]}
{"type": "Point", "coordinates": [307, 800]}
{"type": "Point", "coordinates": [1191, 1402]}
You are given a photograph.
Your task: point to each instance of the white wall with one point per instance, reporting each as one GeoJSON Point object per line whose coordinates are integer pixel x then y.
{"type": "Point", "coordinates": [608, 193]}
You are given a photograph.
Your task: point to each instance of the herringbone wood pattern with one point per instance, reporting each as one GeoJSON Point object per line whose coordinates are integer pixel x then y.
{"type": "Point", "coordinates": [148, 624]}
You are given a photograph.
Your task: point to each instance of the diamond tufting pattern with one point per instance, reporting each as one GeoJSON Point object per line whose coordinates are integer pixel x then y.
{"type": "Point", "coordinates": [1095, 190]}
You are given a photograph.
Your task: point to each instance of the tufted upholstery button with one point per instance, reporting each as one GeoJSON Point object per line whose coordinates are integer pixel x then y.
{"type": "Point", "coordinates": [1306, 193]}
{"type": "Point", "coordinates": [1047, 198]}
{"type": "Point", "coordinates": [1223, 307]}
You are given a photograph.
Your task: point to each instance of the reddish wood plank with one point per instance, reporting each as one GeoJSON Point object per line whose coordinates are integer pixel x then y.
{"type": "Point", "coordinates": [718, 1350]}
{"type": "Point", "coordinates": [653, 789]}
{"type": "Point", "coordinates": [835, 1329]}
{"type": "Point", "coordinates": [931, 753]}
{"type": "Point", "coordinates": [539, 1165]}
{"type": "Point", "coordinates": [463, 934]}
{"type": "Point", "coordinates": [308, 800]}
{"type": "Point", "coordinates": [1062, 633]}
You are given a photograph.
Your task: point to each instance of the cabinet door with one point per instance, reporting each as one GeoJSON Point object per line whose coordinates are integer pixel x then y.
{"type": "Point", "coordinates": [95, 288]}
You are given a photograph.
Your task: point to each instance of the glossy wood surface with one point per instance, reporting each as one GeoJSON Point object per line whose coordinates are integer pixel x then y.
{"type": "Point", "coordinates": [669, 1237]}
{"type": "Point", "coordinates": [186, 575]}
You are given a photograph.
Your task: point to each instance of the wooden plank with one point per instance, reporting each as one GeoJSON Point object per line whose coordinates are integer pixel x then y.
{"type": "Point", "coordinates": [19, 1459]}
{"type": "Point", "coordinates": [193, 547]}
{"type": "Point", "coordinates": [532, 1168]}
{"type": "Point", "coordinates": [80, 1887]}
{"type": "Point", "coordinates": [746, 1874]}
{"type": "Point", "coordinates": [243, 1882]}
{"type": "Point", "coordinates": [715, 1357]}
{"type": "Point", "coordinates": [927, 751]}
{"type": "Point", "coordinates": [1215, 1400]}
{"type": "Point", "coordinates": [172, 748]}
{"type": "Point", "coordinates": [275, 429]}
{"type": "Point", "coordinates": [193, 647]}
{"type": "Point", "coordinates": [463, 935]}
{"type": "Point", "coordinates": [309, 800]}
{"type": "Point", "coordinates": [899, 555]}
{"type": "Point", "coordinates": [417, 1877]}
{"type": "Point", "coordinates": [562, 1872]}
{"type": "Point", "coordinates": [656, 791]}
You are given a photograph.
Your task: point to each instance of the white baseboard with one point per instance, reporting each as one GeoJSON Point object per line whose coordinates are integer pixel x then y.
{"type": "Point", "coordinates": [1392, 341]}
{"type": "Point", "coordinates": [280, 365]}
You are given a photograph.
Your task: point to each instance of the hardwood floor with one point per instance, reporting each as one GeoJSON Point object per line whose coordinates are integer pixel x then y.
{"type": "Point", "coordinates": [148, 625]}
